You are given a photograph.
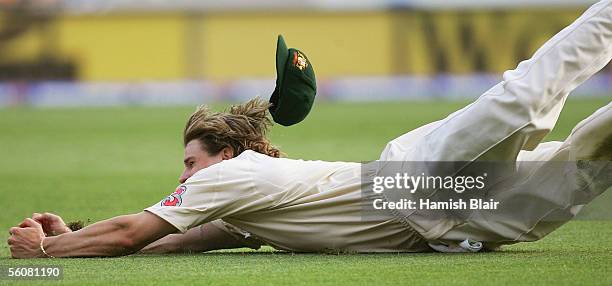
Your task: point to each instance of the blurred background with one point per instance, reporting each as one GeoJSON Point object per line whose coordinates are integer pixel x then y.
{"type": "Point", "coordinates": [148, 52]}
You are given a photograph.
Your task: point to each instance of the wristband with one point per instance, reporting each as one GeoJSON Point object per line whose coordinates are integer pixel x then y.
{"type": "Point", "coordinates": [43, 249]}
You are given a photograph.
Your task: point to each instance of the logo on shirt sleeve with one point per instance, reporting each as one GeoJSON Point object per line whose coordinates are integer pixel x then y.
{"type": "Point", "coordinates": [175, 199]}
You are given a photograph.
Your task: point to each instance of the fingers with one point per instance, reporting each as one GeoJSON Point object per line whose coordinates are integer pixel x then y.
{"type": "Point", "coordinates": [37, 217]}
{"type": "Point", "coordinates": [23, 223]}
{"type": "Point", "coordinates": [13, 230]}
{"type": "Point", "coordinates": [10, 240]}
{"type": "Point", "coordinates": [28, 222]}
{"type": "Point", "coordinates": [41, 217]}
{"type": "Point", "coordinates": [15, 252]}
{"type": "Point", "coordinates": [49, 217]}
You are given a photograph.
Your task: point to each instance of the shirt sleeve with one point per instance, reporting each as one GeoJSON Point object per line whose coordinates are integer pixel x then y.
{"type": "Point", "coordinates": [222, 190]}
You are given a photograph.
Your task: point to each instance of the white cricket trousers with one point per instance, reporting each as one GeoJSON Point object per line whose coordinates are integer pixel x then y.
{"type": "Point", "coordinates": [508, 122]}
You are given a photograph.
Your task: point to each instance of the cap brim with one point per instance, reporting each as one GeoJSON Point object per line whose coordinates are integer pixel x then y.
{"type": "Point", "coordinates": [282, 55]}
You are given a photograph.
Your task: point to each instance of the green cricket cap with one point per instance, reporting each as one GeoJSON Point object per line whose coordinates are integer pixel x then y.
{"type": "Point", "coordinates": [296, 85]}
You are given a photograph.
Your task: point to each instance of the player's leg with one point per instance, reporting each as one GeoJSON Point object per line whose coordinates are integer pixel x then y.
{"type": "Point", "coordinates": [591, 139]}
{"type": "Point", "coordinates": [562, 177]}
{"type": "Point", "coordinates": [583, 163]}
{"type": "Point", "coordinates": [512, 116]}
{"type": "Point", "coordinates": [518, 112]}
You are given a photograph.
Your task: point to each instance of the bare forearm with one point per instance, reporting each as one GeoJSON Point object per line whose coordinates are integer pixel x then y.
{"type": "Point", "coordinates": [105, 238]}
{"type": "Point", "coordinates": [118, 236]}
{"type": "Point", "coordinates": [199, 239]}
{"type": "Point", "coordinates": [194, 240]}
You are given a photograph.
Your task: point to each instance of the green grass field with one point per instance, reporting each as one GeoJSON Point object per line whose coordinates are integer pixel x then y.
{"type": "Point", "coordinates": [97, 163]}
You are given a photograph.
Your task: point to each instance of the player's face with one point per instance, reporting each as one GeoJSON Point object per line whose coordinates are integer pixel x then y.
{"type": "Point", "coordinates": [197, 159]}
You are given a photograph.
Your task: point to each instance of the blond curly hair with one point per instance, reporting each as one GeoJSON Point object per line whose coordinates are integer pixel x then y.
{"type": "Point", "coordinates": [241, 127]}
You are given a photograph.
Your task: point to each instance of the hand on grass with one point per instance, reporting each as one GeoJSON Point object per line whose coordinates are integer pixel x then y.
{"type": "Point", "coordinates": [24, 241]}
{"type": "Point", "coordinates": [51, 224]}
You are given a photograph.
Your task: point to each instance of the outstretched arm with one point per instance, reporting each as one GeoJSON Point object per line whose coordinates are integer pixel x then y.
{"type": "Point", "coordinates": [205, 237]}
{"type": "Point", "coordinates": [117, 236]}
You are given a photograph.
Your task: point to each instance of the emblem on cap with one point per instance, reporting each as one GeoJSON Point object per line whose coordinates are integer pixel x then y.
{"type": "Point", "coordinates": [299, 60]}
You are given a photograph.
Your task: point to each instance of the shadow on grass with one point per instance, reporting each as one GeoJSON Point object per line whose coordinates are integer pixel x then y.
{"type": "Point", "coordinates": [270, 253]}
{"type": "Point", "coordinates": [276, 253]}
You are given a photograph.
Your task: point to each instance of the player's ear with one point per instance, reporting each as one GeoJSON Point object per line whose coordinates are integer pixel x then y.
{"type": "Point", "coordinates": [227, 153]}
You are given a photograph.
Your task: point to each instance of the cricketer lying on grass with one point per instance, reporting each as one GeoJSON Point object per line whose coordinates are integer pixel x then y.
{"type": "Point", "coordinates": [235, 192]}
